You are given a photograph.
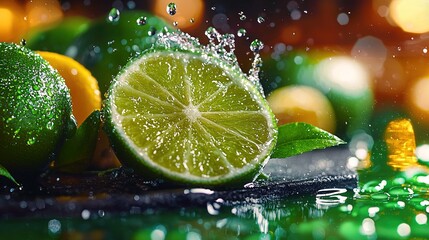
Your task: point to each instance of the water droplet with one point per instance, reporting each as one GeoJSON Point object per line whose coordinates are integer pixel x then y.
{"type": "Point", "coordinates": [192, 20]}
{"type": "Point", "coordinates": [31, 141]}
{"type": "Point", "coordinates": [23, 42]}
{"type": "Point", "coordinates": [141, 21]}
{"type": "Point", "coordinates": [171, 8]}
{"type": "Point", "coordinates": [241, 32]}
{"type": "Point", "coordinates": [50, 125]}
{"type": "Point", "coordinates": [401, 192]}
{"type": "Point", "coordinates": [380, 196]}
{"type": "Point", "coordinates": [113, 15]}
{"type": "Point", "coordinates": [256, 46]}
{"type": "Point", "coordinates": [213, 8]}
{"type": "Point", "coordinates": [175, 23]}
{"type": "Point", "coordinates": [101, 213]}
{"type": "Point", "coordinates": [425, 50]}
{"type": "Point", "coordinates": [243, 17]}
{"type": "Point", "coordinates": [152, 31]}
{"type": "Point", "coordinates": [260, 20]}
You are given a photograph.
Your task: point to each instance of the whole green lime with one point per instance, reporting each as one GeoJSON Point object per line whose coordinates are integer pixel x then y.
{"type": "Point", "coordinates": [35, 109]}
{"type": "Point", "coordinates": [57, 37]}
{"type": "Point", "coordinates": [107, 45]}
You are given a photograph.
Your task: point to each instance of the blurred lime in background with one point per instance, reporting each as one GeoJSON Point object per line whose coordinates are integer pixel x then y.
{"type": "Point", "coordinates": [57, 37]}
{"type": "Point", "coordinates": [111, 41]}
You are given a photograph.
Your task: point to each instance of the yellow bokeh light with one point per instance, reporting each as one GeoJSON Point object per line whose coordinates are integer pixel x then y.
{"type": "Point", "coordinates": [344, 73]}
{"type": "Point", "coordinates": [411, 16]}
{"type": "Point", "coordinates": [7, 22]}
{"type": "Point", "coordinates": [401, 144]}
{"type": "Point", "coordinates": [189, 14]}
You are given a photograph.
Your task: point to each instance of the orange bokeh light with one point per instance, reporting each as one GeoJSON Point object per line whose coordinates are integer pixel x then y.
{"type": "Point", "coordinates": [43, 12]}
{"type": "Point", "coordinates": [12, 24]}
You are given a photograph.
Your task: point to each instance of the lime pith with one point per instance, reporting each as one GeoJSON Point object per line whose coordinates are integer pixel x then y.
{"type": "Point", "coordinates": [190, 119]}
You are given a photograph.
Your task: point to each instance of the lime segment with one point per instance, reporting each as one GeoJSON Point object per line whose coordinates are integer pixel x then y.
{"type": "Point", "coordinates": [189, 119]}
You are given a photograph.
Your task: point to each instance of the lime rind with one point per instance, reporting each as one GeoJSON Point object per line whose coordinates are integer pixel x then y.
{"type": "Point", "coordinates": [35, 110]}
{"type": "Point", "coordinates": [129, 151]}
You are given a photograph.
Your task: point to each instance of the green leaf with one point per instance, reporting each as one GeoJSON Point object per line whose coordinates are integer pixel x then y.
{"type": "Point", "coordinates": [297, 138]}
{"type": "Point", "coordinates": [5, 173]}
{"type": "Point", "coordinates": [76, 153]}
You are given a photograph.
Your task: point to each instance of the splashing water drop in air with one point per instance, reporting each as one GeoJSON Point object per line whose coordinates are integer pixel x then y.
{"type": "Point", "coordinates": [260, 20]}
{"type": "Point", "coordinates": [171, 8]}
{"type": "Point", "coordinates": [241, 32]}
{"type": "Point", "coordinates": [141, 21]}
{"type": "Point", "coordinates": [242, 16]}
{"type": "Point", "coordinates": [113, 15]}
{"type": "Point", "coordinates": [256, 46]}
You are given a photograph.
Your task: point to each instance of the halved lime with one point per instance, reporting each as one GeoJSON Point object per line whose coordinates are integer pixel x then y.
{"type": "Point", "coordinates": [189, 118]}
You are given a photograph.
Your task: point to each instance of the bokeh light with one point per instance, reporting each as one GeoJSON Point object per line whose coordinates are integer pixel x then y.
{"type": "Point", "coordinates": [411, 16]}
{"type": "Point", "coordinates": [12, 23]}
{"type": "Point", "coordinates": [417, 100]}
{"type": "Point", "coordinates": [43, 12]}
{"type": "Point", "coordinates": [343, 73]}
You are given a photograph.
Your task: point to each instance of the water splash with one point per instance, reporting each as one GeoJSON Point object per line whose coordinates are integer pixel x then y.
{"type": "Point", "coordinates": [242, 16]}
{"type": "Point", "coordinates": [219, 45]}
{"type": "Point", "coordinates": [253, 75]}
{"type": "Point", "coordinates": [260, 20]}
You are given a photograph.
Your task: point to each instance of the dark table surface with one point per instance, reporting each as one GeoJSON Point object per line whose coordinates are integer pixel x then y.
{"type": "Point", "coordinates": [117, 191]}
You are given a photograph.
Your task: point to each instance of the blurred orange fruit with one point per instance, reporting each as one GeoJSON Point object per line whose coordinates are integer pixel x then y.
{"type": "Point", "coordinates": [13, 23]}
{"type": "Point", "coordinates": [84, 90]}
{"type": "Point", "coordinates": [302, 104]}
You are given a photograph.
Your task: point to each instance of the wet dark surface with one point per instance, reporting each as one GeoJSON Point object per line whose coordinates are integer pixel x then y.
{"type": "Point", "coordinates": [120, 191]}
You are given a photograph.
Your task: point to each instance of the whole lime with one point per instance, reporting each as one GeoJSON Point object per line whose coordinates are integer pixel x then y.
{"type": "Point", "coordinates": [35, 109]}
{"type": "Point", "coordinates": [107, 45]}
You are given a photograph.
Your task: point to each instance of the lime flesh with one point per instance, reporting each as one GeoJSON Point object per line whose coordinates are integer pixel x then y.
{"type": "Point", "coordinates": [190, 119]}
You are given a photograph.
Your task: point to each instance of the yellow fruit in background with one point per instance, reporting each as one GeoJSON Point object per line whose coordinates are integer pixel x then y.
{"type": "Point", "coordinates": [302, 104]}
{"type": "Point", "coordinates": [84, 90]}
